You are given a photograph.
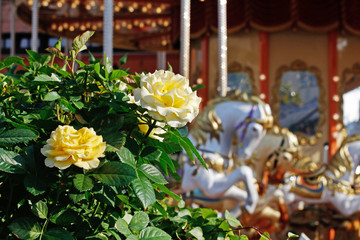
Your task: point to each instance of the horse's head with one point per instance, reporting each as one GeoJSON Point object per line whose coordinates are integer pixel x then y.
{"type": "Point", "coordinates": [249, 131]}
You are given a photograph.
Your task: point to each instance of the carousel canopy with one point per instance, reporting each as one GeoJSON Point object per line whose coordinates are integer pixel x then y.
{"type": "Point", "coordinates": [155, 24]}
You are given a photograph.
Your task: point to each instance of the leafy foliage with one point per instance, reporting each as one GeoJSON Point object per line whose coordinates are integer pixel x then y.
{"type": "Point", "coordinates": [126, 196]}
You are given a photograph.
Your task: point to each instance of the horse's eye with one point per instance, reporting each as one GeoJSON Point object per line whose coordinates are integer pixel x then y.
{"type": "Point", "coordinates": [254, 129]}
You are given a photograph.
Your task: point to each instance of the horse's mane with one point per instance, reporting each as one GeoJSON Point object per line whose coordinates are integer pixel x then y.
{"type": "Point", "coordinates": [342, 161]}
{"type": "Point", "coordinates": [208, 121]}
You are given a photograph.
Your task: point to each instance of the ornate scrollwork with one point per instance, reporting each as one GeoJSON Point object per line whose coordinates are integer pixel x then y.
{"type": "Point", "coordinates": [299, 65]}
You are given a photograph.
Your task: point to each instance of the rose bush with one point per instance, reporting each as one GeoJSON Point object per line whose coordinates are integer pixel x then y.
{"type": "Point", "coordinates": [79, 160]}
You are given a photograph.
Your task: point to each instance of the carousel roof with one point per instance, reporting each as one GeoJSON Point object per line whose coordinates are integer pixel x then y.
{"type": "Point", "coordinates": [155, 24]}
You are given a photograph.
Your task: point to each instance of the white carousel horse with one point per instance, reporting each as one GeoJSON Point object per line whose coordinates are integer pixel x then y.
{"type": "Point", "coordinates": [336, 183]}
{"type": "Point", "coordinates": [241, 119]}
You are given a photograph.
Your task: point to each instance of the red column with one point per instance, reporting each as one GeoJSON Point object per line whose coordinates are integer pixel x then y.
{"type": "Point", "coordinates": [332, 91]}
{"type": "Point", "coordinates": [204, 93]}
{"type": "Point", "coordinates": [264, 65]}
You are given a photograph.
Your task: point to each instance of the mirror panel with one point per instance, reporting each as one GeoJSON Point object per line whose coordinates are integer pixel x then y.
{"type": "Point", "coordinates": [350, 101]}
{"type": "Point", "coordinates": [298, 101]}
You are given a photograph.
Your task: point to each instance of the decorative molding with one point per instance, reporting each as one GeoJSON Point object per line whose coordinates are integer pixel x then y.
{"type": "Point", "coordinates": [299, 65]}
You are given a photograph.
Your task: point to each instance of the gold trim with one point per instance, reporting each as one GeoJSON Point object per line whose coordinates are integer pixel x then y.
{"type": "Point", "coordinates": [299, 65]}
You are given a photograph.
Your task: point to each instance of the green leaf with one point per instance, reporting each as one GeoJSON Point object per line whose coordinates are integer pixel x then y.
{"type": "Point", "coordinates": [123, 60]}
{"type": "Point", "coordinates": [126, 156]}
{"type": "Point", "coordinates": [17, 136]}
{"type": "Point", "coordinates": [151, 153]}
{"type": "Point", "coordinates": [34, 56]}
{"type": "Point", "coordinates": [153, 233]}
{"type": "Point", "coordinates": [152, 173]}
{"type": "Point", "coordinates": [122, 226]}
{"type": "Point", "coordinates": [63, 217]}
{"type": "Point", "coordinates": [11, 162]}
{"type": "Point", "coordinates": [108, 65]}
{"type": "Point", "coordinates": [57, 234]}
{"type": "Point", "coordinates": [51, 96]}
{"type": "Point", "coordinates": [115, 174]}
{"type": "Point", "coordinates": [233, 222]}
{"type": "Point", "coordinates": [132, 237]}
{"type": "Point", "coordinates": [34, 184]}
{"type": "Point", "coordinates": [292, 235]}
{"type": "Point", "coordinates": [7, 62]}
{"type": "Point", "coordinates": [25, 228]}
{"type": "Point", "coordinates": [83, 182]}
{"type": "Point", "coordinates": [117, 74]}
{"type": "Point", "coordinates": [79, 42]}
{"type": "Point", "coordinates": [139, 221]}
{"type": "Point", "coordinates": [197, 233]}
{"type": "Point", "coordinates": [208, 213]}
{"type": "Point", "coordinates": [244, 237]}
{"type": "Point", "coordinates": [197, 87]}
{"type": "Point", "coordinates": [79, 105]}
{"type": "Point", "coordinates": [144, 191]}
{"type": "Point", "coordinates": [40, 209]}
{"type": "Point", "coordinates": [161, 209]}
{"type": "Point", "coordinates": [45, 79]}
{"type": "Point", "coordinates": [170, 67]}
{"type": "Point", "coordinates": [265, 236]}
{"type": "Point", "coordinates": [168, 192]}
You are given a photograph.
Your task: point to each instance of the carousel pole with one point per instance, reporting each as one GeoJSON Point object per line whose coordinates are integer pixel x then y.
{"type": "Point", "coordinates": [161, 60]}
{"type": "Point", "coordinates": [108, 28]}
{"type": "Point", "coordinates": [222, 45]}
{"type": "Point", "coordinates": [12, 27]}
{"type": "Point", "coordinates": [34, 26]}
{"type": "Point", "coordinates": [185, 38]}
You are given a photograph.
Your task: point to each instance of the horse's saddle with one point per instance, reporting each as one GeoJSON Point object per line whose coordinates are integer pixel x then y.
{"type": "Point", "coordinates": [307, 189]}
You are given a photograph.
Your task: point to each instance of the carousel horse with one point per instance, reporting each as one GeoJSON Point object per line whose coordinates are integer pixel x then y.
{"type": "Point", "coordinates": [336, 183]}
{"type": "Point", "coordinates": [237, 120]}
{"type": "Point", "coordinates": [277, 152]}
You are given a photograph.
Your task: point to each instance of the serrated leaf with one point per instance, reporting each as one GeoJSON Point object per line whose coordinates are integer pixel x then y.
{"type": "Point", "coordinates": [144, 191]}
{"type": "Point", "coordinates": [79, 42]}
{"type": "Point", "coordinates": [132, 237]}
{"type": "Point", "coordinates": [153, 233]}
{"type": "Point", "coordinates": [40, 209]}
{"type": "Point", "coordinates": [34, 185]}
{"type": "Point", "coordinates": [208, 213]}
{"type": "Point", "coordinates": [25, 228]}
{"type": "Point", "coordinates": [83, 182]}
{"type": "Point", "coordinates": [51, 96]}
{"type": "Point", "coordinates": [126, 156]}
{"type": "Point", "coordinates": [139, 221]}
{"type": "Point", "coordinates": [115, 174]}
{"type": "Point", "coordinates": [33, 55]}
{"type": "Point", "coordinates": [122, 226]}
{"type": "Point", "coordinates": [57, 234]}
{"type": "Point", "coordinates": [152, 173]}
{"type": "Point", "coordinates": [233, 222]}
{"type": "Point", "coordinates": [79, 105]}
{"type": "Point", "coordinates": [151, 153]}
{"type": "Point", "coordinates": [197, 233]}
{"type": "Point", "coordinates": [14, 136]}
{"type": "Point", "coordinates": [11, 162]}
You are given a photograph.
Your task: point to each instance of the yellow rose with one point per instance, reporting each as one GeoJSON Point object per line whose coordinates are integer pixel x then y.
{"type": "Point", "coordinates": [168, 97]}
{"type": "Point", "coordinates": [67, 146]}
{"type": "Point", "coordinates": [155, 132]}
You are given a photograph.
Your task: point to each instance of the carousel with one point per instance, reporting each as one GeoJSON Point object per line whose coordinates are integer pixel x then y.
{"type": "Point", "coordinates": [280, 123]}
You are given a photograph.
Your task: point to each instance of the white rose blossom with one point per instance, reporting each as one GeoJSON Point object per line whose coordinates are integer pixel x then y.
{"type": "Point", "coordinates": [168, 97]}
